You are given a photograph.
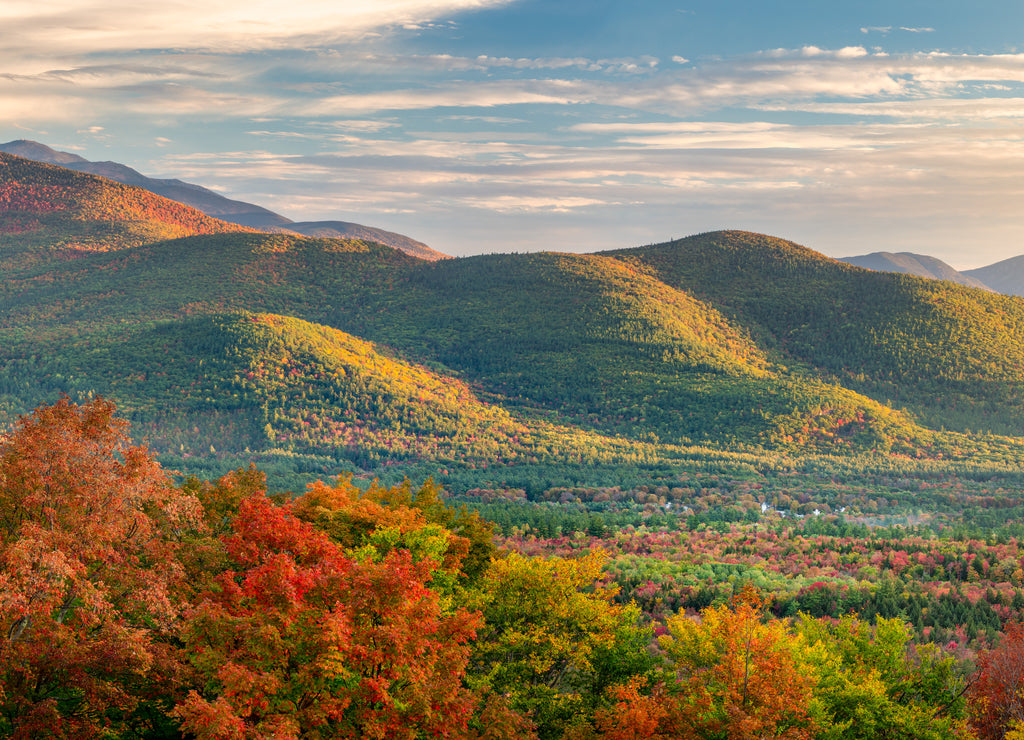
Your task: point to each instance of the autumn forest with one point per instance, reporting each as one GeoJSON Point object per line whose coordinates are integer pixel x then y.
{"type": "Point", "coordinates": [265, 485]}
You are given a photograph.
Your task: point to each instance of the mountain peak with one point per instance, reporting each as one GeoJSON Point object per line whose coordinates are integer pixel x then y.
{"type": "Point", "coordinates": [216, 205]}
{"type": "Point", "coordinates": [39, 152]}
{"type": "Point", "coordinates": [101, 214]}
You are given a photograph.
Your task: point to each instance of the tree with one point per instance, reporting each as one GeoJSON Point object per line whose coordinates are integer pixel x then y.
{"type": "Point", "coordinates": [549, 636]}
{"type": "Point", "coordinates": [871, 683]}
{"type": "Point", "coordinates": [299, 637]}
{"type": "Point", "coordinates": [89, 529]}
{"type": "Point", "coordinates": [997, 692]}
{"type": "Point", "coordinates": [736, 676]}
{"type": "Point", "coordinates": [638, 716]}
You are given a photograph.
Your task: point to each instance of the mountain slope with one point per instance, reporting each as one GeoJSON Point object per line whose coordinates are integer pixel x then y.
{"type": "Point", "coordinates": [48, 210]}
{"type": "Point", "coordinates": [176, 279]}
{"type": "Point", "coordinates": [216, 205]}
{"type": "Point", "coordinates": [949, 353]}
{"type": "Point", "coordinates": [200, 198]}
{"type": "Point", "coordinates": [731, 340]}
{"type": "Point", "coordinates": [577, 340]}
{"type": "Point", "coordinates": [1007, 276]}
{"type": "Point", "coordinates": [267, 381]}
{"type": "Point", "coordinates": [914, 264]}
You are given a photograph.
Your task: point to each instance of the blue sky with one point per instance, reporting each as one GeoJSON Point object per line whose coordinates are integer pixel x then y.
{"type": "Point", "coordinates": [578, 125]}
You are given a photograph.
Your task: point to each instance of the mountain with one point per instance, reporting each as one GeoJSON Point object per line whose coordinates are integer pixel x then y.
{"type": "Point", "coordinates": [207, 201]}
{"type": "Point", "coordinates": [220, 342]}
{"type": "Point", "coordinates": [949, 353]}
{"type": "Point", "coordinates": [915, 264]}
{"type": "Point", "coordinates": [263, 380]}
{"type": "Point", "coordinates": [214, 204]}
{"type": "Point", "coordinates": [51, 212]}
{"type": "Point", "coordinates": [1006, 276]}
{"type": "Point", "coordinates": [42, 153]}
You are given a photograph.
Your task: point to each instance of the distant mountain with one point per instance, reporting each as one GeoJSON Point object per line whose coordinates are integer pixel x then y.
{"type": "Point", "coordinates": [915, 264]}
{"type": "Point", "coordinates": [214, 204]}
{"type": "Point", "coordinates": [42, 153]}
{"type": "Point", "coordinates": [1006, 276]}
{"type": "Point", "coordinates": [207, 201]}
{"type": "Point", "coordinates": [49, 212]}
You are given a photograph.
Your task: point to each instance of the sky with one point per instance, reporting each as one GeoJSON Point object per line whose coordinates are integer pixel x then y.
{"type": "Point", "coordinates": [482, 126]}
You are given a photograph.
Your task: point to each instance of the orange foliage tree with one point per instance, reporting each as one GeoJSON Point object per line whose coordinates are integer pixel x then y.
{"type": "Point", "coordinates": [89, 528]}
{"type": "Point", "coordinates": [738, 676]}
{"type": "Point", "coordinates": [301, 638]}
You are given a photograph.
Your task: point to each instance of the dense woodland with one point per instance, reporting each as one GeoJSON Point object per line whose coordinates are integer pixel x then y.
{"type": "Point", "coordinates": [134, 606]}
{"type": "Point", "coordinates": [209, 334]}
{"type": "Point", "coordinates": [723, 487]}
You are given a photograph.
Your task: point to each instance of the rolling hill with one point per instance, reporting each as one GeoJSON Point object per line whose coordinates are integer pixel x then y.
{"type": "Point", "coordinates": [221, 342]}
{"type": "Point", "coordinates": [216, 205]}
{"type": "Point", "coordinates": [950, 354]}
{"type": "Point", "coordinates": [46, 208]}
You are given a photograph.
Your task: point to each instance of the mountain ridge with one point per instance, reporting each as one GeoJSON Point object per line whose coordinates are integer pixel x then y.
{"type": "Point", "coordinates": [916, 264]}
{"type": "Point", "coordinates": [721, 343]}
{"type": "Point", "coordinates": [212, 203]}
{"type": "Point", "coordinates": [1006, 276]}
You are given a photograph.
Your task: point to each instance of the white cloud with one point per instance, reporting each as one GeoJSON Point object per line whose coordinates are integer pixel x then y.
{"type": "Point", "coordinates": [89, 26]}
{"type": "Point", "coordinates": [474, 95]}
{"type": "Point", "coordinates": [526, 203]}
{"type": "Point", "coordinates": [933, 109]}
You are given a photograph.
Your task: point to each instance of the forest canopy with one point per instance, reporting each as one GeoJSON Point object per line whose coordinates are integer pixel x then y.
{"type": "Point", "coordinates": [135, 604]}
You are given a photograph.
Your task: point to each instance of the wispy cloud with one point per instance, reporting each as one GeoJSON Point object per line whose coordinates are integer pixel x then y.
{"type": "Point", "coordinates": [889, 29]}
{"type": "Point", "coordinates": [934, 109]}
{"type": "Point", "coordinates": [78, 26]}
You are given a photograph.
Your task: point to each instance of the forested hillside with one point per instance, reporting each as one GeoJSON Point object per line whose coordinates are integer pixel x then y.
{"type": "Point", "coordinates": [135, 607]}
{"type": "Point", "coordinates": [45, 208]}
{"type": "Point", "coordinates": [216, 205]}
{"type": "Point", "coordinates": [950, 354]}
{"type": "Point", "coordinates": [728, 342]}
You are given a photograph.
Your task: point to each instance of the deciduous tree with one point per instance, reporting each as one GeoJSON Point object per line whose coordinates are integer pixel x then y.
{"type": "Point", "coordinates": [738, 677]}
{"type": "Point", "coordinates": [89, 527]}
{"type": "Point", "coordinates": [997, 692]}
{"type": "Point", "coordinates": [301, 638]}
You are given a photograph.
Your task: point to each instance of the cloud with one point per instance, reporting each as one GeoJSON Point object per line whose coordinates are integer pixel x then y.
{"type": "Point", "coordinates": [885, 30]}
{"type": "Point", "coordinates": [682, 176]}
{"type": "Point", "coordinates": [484, 62]}
{"type": "Point", "coordinates": [462, 95]}
{"type": "Point", "coordinates": [531, 203]}
{"type": "Point", "coordinates": [91, 26]}
{"type": "Point", "coordinates": [356, 129]}
{"type": "Point", "coordinates": [931, 109]}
